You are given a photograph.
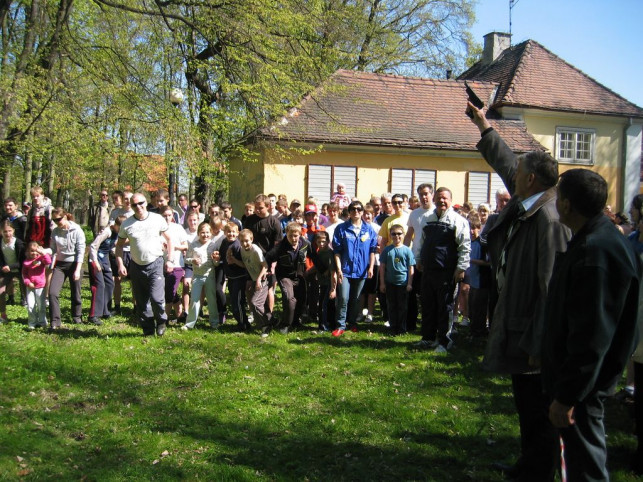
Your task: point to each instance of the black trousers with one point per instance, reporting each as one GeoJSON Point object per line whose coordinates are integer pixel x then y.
{"type": "Point", "coordinates": [437, 299]}
{"type": "Point", "coordinates": [539, 443]}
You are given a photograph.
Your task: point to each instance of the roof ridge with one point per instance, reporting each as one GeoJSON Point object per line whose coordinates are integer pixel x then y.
{"type": "Point", "coordinates": [583, 73]}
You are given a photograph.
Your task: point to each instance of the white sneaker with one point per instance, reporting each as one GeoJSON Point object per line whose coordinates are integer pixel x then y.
{"type": "Point", "coordinates": [369, 319]}
{"type": "Point", "coordinates": [185, 328]}
{"type": "Point", "coordinates": [387, 324]}
{"type": "Point", "coordinates": [440, 349]}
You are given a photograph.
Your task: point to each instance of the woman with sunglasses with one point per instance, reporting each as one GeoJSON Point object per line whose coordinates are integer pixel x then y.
{"type": "Point", "coordinates": [354, 245]}
{"type": "Point", "coordinates": [68, 248]}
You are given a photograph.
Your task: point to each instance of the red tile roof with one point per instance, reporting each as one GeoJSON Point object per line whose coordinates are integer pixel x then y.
{"type": "Point", "coordinates": [363, 108]}
{"type": "Point", "coordinates": [531, 76]}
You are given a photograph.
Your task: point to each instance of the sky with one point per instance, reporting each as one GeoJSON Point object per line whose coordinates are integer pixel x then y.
{"type": "Point", "coordinates": [600, 37]}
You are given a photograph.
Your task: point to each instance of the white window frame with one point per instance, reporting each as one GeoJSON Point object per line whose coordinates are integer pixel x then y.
{"type": "Point", "coordinates": [575, 133]}
{"type": "Point", "coordinates": [490, 180]}
{"type": "Point", "coordinates": [412, 177]}
{"type": "Point", "coordinates": [324, 188]}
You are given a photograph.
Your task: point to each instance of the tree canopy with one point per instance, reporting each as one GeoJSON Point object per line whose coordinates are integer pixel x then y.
{"type": "Point", "coordinates": [85, 85]}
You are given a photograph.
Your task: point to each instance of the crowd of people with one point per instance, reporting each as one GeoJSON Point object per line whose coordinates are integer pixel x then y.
{"type": "Point", "coordinates": [548, 277]}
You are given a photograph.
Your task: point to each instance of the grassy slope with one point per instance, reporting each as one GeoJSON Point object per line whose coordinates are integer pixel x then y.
{"type": "Point", "coordinates": [106, 404]}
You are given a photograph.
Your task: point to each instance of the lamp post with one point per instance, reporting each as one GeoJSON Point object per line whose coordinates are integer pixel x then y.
{"type": "Point", "coordinates": [176, 97]}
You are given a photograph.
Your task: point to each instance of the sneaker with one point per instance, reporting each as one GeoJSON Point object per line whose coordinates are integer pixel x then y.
{"type": "Point", "coordinates": [440, 349]}
{"type": "Point", "coordinates": [354, 329]}
{"type": "Point", "coordinates": [426, 344]}
{"type": "Point", "coordinates": [31, 328]}
{"type": "Point", "coordinates": [465, 321]}
{"type": "Point", "coordinates": [369, 319]}
{"type": "Point", "coordinates": [338, 332]}
{"type": "Point", "coordinates": [265, 332]}
{"type": "Point", "coordinates": [284, 330]}
{"type": "Point", "coordinates": [94, 320]}
{"type": "Point", "coordinates": [387, 324]}
{"type": "Point", "coordinates": [185, 328]}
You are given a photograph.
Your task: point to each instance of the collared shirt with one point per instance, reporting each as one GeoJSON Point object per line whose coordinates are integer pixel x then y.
{"type": "Point", "coordinates": [531, 200]}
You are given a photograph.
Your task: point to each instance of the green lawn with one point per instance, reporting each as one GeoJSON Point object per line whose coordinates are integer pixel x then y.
{"type": "Point", "coordinates": [104, 403]}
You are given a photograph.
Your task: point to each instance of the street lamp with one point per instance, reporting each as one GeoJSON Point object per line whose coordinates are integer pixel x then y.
{"type": "Point", "coordinates": [176, 97]}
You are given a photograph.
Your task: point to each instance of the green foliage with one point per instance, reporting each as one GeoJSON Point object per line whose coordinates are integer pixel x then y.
{"type": "Point", "coordinates": [86, 84]}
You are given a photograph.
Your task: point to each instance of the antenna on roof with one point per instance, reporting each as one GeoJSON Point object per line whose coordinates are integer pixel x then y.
{"type": "Point", "coordinates": [512, 4]}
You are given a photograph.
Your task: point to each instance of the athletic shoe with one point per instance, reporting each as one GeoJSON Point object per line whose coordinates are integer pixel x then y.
{"type": "Point", "coordinates": [465, 321]}
{"type": "Point", "coordinates": [185, 328]}
{"type": "Point", "coordinates": [369, 319]}
{"type": "Point", "coordinates": [426, 344]}
{"type": "Point", "coordinates": [354, 329]}
{"type": "Point", "coordinates": [338, 332]}
{"type": "Point", "coordinates": [94, 320]}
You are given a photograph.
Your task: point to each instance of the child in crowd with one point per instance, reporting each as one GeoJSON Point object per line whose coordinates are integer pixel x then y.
{"type": "Point", "coordinates": [298, 217]}
{"type": "Point", "coordinates": [310, 229]}
{"type": "Point", "coordinates": [257, 287]}
{"type": "Point", "coordinates": [248, 210]}
{"type": "Point", "coordinates": [34, 277]}
{"type": "Point", "coordinates": [340, 197]}
{"type": "Point", "coordinates": [396, 278]}
{"type": "Point", "coordinates": [326, 271]}
{"type": "Point", "coordinates": [479, 280]}
{"type": "Point", "coordinates": [176, 257]}
{"type": "Point", "coordinates": [217, 273]}
{"type": "Point", "coordinates": [236, 274]}
{"type": "Point", "coordinates": [290, 258]}
{"type": "Point", "coordinates": [12, 255]}
{"type": "Point", "coordinates": [101, 279]}
{"type": "Point", "coordinates": [203, 257]}
{"type": "Point", "coordinates": [371, 285]}
{"type": "Point", "coordinates": [191, 233]}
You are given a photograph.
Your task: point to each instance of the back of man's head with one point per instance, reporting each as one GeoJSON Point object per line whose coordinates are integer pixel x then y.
{"type": "Point", "coordinates": [543, 166]}
{"type": "Point", "coordinates": [585, 190]}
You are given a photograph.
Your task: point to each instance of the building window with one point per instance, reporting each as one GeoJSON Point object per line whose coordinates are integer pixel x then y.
{"type": "Point", "coordinates": [575, 145]}
{"type": "Point", "coordinates": [406, 181]}
{"type": "Point", "coordinates": [482, 187]}
{"type": "Point", "coordinates": [322, 181]}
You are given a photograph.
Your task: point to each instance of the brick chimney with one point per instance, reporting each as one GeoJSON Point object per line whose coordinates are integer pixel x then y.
{"type": "Point", "coordinates": [494, 44]}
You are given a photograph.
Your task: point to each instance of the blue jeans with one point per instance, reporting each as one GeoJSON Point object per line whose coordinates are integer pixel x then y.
{"type": "Point", "coordinates": [348, 301]}
{"type": "Point", "coordinates": [198, 284]}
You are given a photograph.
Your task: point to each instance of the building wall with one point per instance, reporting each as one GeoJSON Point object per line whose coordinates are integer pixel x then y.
{"type": "Point", "coordinates": [608, 153]}
{"type": "Point", "coordinates": [278, 172]}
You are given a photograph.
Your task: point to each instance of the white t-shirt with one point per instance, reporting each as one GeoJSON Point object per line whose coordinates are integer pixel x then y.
{"type": "Point", "coordinates": [145, 237]}
{"type": "Point", "coordinates": [253, 260]}
{"type": "Point", "coordinates": [417, 219]}
{"type": "Point", "coordinates": [178, 236]}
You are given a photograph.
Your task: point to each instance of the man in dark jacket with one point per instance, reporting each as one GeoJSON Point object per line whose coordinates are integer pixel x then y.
{"type": "Point", "coordinates": [590, 314]}
{"type": "Point", "coordinates": [522, 246]}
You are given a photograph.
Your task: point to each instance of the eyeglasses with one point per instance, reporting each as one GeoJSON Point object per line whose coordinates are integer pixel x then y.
{"type": "Point", "coordinates": [397, 234]}
{"type": "Point", "coordinates": [356, 208]}
{"type": "Point", "coordinates": [56, 220]}
{"type": "Point", "coordinates": [138, 204]}
{"type": "Point", "coordinates": [104, 194]}
{"type": "Point", "coordinates": [398, 202]}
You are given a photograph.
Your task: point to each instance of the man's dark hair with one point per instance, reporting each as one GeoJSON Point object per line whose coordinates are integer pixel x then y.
{"type": "Point", "coordinates": [10, 199]}
{"type": "Point", "coordinates": [423, 185]}
{"type": "Point", "coordinates": [585, 190]}
{"type": "Point", "coordinates": [637, 202]}
{"type": "Point", "coordinates": [543, 166]}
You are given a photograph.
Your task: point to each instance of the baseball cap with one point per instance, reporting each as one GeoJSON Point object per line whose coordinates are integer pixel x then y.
{"type": "Point", "coordinates": [310, 208]}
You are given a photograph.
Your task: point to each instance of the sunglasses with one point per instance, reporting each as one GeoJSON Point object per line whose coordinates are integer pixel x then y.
{"type": "Point", "coordinates": [358, 209]}
{"type": "Point", "coordinates": [398, 202]}
{"type": "Point", "coordinates": [194, 206]}
{"type": "Point", "coordinates": [56, 220]}
{"type": "Point", "coordinates": [397, 234]}
{"type": "Point", "coordinates": [138, 204]}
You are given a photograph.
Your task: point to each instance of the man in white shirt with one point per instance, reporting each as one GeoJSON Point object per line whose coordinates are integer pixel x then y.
{"type": "Point", "coordinates": [146, 232]}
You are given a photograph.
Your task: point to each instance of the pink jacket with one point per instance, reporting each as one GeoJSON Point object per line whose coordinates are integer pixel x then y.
{"type": "Point", "coordinates": [33, 270]}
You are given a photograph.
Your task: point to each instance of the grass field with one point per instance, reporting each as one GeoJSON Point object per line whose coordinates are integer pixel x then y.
{"type": "Point", "coordinates": [104, 403]}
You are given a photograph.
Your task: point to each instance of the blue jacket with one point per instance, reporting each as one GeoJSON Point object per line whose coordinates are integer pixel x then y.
{"type": "Point", "coordinates": [354, 251]}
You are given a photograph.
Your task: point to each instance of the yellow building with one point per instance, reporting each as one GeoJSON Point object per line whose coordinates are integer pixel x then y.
{"type": "Point", "coordinates": [384, 133]}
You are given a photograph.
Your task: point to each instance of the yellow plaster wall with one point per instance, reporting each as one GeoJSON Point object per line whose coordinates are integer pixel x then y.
{"type": "Point", "coordinates": [286, 173]}
{"type": "Point", "coordinates": [608, 153]}
{"type": "Point", "coordinates": [246, 181]}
